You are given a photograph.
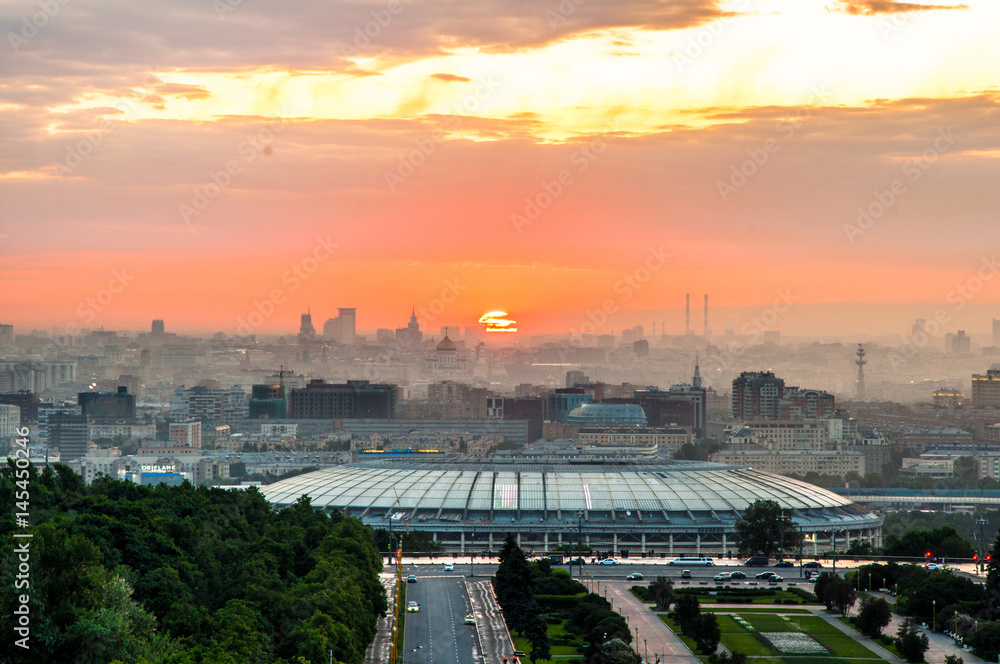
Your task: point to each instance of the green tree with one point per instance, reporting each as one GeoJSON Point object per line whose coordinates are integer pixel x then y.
{"type": "Point", "coordinates": [706, 633]}
{"type": "Point", "coordinates": [911, 643]}
{"type": "Point", "coordinates": [537, 633]}
{"type": "Point", "coordinates": [873, 616]}
{"type": "Point", "coordinates": [686, 611]}
{"type": "Point", "coordinates": [662, 592]}
{"type": "Point", "coordinates": [764, 527]}
{"type": "Point", "coordinates": [616, 651]}
{"type": "Point", "coordinates": [514, 586]}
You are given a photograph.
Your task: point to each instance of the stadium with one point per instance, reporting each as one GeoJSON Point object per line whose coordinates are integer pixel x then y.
{"type": "Point", "coordinates": [636, 509]}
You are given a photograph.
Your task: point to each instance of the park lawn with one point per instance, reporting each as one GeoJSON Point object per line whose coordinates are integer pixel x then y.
{"type": "Point", "coordinates": [891, 647]}
{"type": "Point", "coordinates": [524, 645]}
{"type": "Point", "coordinates": [746, 644]}
{"type": "Point", "coordinates": [844, 645]}
{"type": "Point", "coordinates": [815, 625]}
{"type": "Point", "coordinates": [559, 630]}
{"type": "Point", "coordinates": [675, 628]}
{"type": "Point", "coordinates": [770, 623]}
{"type": "Point", "coordinates": [727, 624]}
{"type": "Point", "coordinates": [782, 595]}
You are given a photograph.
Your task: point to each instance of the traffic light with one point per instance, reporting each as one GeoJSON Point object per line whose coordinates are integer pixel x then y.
{"type": "Point", "coordinates": [975, 558]}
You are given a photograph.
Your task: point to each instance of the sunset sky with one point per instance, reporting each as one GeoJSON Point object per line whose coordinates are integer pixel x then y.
{"type": "Point", "coordinates": [198, 160]}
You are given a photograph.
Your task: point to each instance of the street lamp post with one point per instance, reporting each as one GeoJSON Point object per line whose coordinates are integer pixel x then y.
{"type": "Point", "coordinates": [472, 554]}
{"type": "Point", "coordinates": [981, 522]}
{"type": "Point", "coordinates": [934, 615]}
{"type": "Point", "coordinates": [645, 652]}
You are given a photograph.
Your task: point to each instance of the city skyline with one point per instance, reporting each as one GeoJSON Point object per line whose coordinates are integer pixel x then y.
{"type": "Point", "coordinates": [582, 155]}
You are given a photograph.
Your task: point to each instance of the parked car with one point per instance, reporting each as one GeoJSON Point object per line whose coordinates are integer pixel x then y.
{"type": "Point", "coordinates": [448, 567]}
{"type": "Point", "coordinates": [686, 574]}
{"type": "Point", "coordinates": [577, 561]}
{"type": "Point", "coordinates": [813, 564]}
{"type": "Point", "coordinates": [412, 607]}
{"type": "Point", "coordinates": [757, 561]}
{"type": "Point", "coordinates": [411, 579]}
{"type": "Point", "coordinates": [784, 563]}
{"type": "Point", "coordinates": [737, 575]}
{"type": "Point", "coordinates": [608, 561]}
{"type": "Point", "coordinates": [470, 619]}
{"type": "Point", "coordinates": [775, 579]}
{"type": "Point", "coordinates": [634, 576]}
{"type": "Point", "coordinates": [723, 576]}
{"type": "Point", "coordinates": [765, 575]}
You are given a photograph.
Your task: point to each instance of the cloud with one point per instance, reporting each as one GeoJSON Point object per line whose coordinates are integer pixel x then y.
{"type": "Point", "coordinates": [872, 7]}
{"type": "Point", "coordinates": [451, 78]}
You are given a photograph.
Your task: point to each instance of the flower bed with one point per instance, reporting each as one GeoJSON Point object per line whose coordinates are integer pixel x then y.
{"type": "Point", "coordinates": [795, 643]}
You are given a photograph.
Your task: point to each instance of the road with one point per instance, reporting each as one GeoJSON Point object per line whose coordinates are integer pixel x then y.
{"type": "Point", "coordinates": [437, 633]}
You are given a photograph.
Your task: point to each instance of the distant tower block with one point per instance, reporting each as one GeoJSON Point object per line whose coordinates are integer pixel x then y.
{"type": "Point", "coordinates": [861, 362]}
{"type": "Point", "coordinates": [687, 313]}
{"type": "Point", "coordinates": [707, 331]}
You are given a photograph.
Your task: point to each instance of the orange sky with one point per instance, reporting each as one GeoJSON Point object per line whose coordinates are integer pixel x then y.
{"type": "Point", "coordinates": [500, 157]}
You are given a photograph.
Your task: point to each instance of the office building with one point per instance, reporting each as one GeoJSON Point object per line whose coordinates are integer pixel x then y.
{"type": "Point", "coordinates": [354, 399]}
{"type": "Point", "coordinates": [342, 329]}
{"type": "Point", "coordinates": [69, 433]}
{"type": "Point", "coordinates": [108, 407]}
{"type": "Point", "coordinates": [986, 389]}
{"type": "Point", "coordinates": [798, 404]}
{"type": "Point", "coordinates": [26, 401]}
{"type": "Point", "coordinates": [6, 335]}
{"type": "Point", "coordinates": [210, 405]}
{"type": "Point", "coordinates": [185, 434]}
{"type": "Point", "coordinates": [268, 402]}
{"type": "Point", "coordinates": [10, 422]}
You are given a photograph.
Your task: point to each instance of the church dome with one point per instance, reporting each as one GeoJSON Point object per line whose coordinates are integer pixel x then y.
{"type": "Point", "coordinates": [446, 344]}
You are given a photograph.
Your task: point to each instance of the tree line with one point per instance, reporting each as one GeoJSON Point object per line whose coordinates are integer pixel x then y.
{"type": "Point", "coordinates": [132, 574]}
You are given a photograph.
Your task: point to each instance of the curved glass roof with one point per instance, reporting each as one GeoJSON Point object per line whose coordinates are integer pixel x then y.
{"type": "Point", "coordinates": [676, 487]}
{"type": "Point", "coordinates": [608, 414]}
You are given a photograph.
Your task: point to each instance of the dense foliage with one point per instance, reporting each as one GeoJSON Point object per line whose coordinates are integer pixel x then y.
{"type": "Point", "coordinates": [184, 575]}
{"type": "Point", "coordinates": [835, 592]}
{"type": "Point", "coordinates": [874, 616]}
{"type": "Point", "coordinates": [939, 542]}
{"type": "Point", "coordinates": [765, 529]}
{"type": "Point", "coordinates": [702, 627]}
{"type": "Point", "coordinates": [911, 643]}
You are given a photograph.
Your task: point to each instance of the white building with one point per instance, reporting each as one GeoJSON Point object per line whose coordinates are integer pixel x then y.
{"type": "Point", "coordinates": [10, 421]}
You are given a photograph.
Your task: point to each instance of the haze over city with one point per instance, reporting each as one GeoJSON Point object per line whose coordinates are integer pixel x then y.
{"type": "Point", "coordinates": [843, 152]}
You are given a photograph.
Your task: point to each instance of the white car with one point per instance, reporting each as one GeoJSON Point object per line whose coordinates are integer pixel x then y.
{"type": "Point", "coordinates": [412, 607]}
{"type": "Point", "coordinates": [448, 567]}
{"type": "Point", "coordinates": [933, 567]}
{"type": "Point", "coordinates": [608, 561]}
{"type": "Point", "coordinates": [724, 576]}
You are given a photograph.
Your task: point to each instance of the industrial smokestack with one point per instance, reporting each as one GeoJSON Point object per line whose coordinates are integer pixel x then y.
{"type": "Point", "coordinates": [687, 313]}
{"type": "Point", "coordinates": [706, 314]}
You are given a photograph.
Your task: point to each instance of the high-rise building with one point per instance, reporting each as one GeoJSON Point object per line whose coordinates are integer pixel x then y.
{"type": "Point", "coordinates": [996, 332]}
{"type": "Point", "coordinates": [798, 404]}
{"type": "Point", "coordinates": [211, 406]}
{"type": "Point", "coordinates": [348, 325]}
{"type": "Point", "coordinates": [986, 389]}
{"type": "Point", "coordinates": [306, 330]}
{"type": "Point", "coordinates": [757, 396]}
{"type": "Point", "coordinates": [70, 434]}
{"type": "Point", "coordinates": [960, 343]}
{"type": "Point", "coordinates": [158, 328]}
{"type": "Point", "coordinates": [26, 401]}
{"type": "Point", "coordinates": [351, 400]}
{"type": "Point", "coordinates": [268, 402]}
{"type": "Point", "coordinates": [185, 434]}
{"type": "Point", "coordinates": [108, 407]}
{"type": "Point", "coordinates": [411, 334]}
{"type": "Point", "coordinates": [10, 422]}
{"type": "Point", "coordinates": [6, 335]}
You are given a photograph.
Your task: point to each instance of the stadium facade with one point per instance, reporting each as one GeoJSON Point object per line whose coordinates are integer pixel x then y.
{"type": "Point", "coordinates": [657, 509]}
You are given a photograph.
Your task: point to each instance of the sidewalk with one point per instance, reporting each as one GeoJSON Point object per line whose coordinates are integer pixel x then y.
{"type": "Point", "coordinates": [379, 650]}
{"type": "Point", "coordinates": [659, 639]}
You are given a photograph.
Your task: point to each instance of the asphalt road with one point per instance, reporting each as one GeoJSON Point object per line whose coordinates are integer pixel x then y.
{"type": "Point", "coordinates": [437, 633]}
{"type": "Point", "coordinates": [619, 572]}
